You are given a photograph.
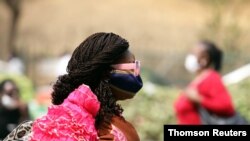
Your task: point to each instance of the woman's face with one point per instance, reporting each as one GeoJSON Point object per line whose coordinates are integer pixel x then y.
{"type": "Point", "coordinates": [119, 94]}
{"type": "Point", "coordinates": [10, 90]}
{"type": "Point", "coordinates": [10, 96]}
{"type": "Point", "coordinates": [201, 54]}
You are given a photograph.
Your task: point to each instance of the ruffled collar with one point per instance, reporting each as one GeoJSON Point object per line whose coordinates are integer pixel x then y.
{"type": "Point", "coordinates": [73, 120]}
{"type": "Point", "coordinates": [85, 98]}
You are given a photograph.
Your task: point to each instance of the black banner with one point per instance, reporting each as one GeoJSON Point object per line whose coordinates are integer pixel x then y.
{"type": "Point", "coordinates": [175, 132]}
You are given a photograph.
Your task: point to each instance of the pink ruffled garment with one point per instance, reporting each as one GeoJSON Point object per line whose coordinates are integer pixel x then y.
{"type": "Point", "coordinates": [73, 120]}
{"type": "Point", "coordinates": [118, 135]}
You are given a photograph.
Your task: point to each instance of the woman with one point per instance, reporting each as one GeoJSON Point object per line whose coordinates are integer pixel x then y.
{"type": "Point", "coordinates": [101, 71]}
{"type": "Point", "coordinates": [12, 109]}
{"type": "Point", "coordinates": [206, 90]}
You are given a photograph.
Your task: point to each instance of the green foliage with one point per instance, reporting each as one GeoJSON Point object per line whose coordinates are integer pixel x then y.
{"type": "Point", "coordinates": [241, 97]}
{"type": "Point", "coordinates": [151, 108]}
{"type": "Point", "coordinates": [149, 112]}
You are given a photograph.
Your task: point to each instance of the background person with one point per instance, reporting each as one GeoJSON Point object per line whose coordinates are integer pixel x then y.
{"type": "Point", "coordinates": [207, 89]}
{"type": "Point", "coordinates": [12, 109]}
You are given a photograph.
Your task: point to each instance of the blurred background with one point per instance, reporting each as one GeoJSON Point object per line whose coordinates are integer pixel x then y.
{"type": "Point", "coordinates": [37, 38]}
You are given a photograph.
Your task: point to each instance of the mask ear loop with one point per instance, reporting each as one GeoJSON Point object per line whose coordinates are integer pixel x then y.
{"type": "Point", "coordinates": [137, 67]}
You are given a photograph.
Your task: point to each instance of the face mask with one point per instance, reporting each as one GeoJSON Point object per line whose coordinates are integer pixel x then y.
{"type": "Point", "coordinates": [9, 102]}
{"type": "Point", "coordinates": [125, 80]}
{"type": "Point", "coordinates": [191, 63]}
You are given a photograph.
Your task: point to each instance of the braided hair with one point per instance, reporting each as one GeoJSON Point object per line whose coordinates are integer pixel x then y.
{"type": "Point", "coordinates": [90, 64]}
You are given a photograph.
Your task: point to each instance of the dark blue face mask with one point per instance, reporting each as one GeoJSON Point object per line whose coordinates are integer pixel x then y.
{"type": "Point", "coordinates": [125, 84]}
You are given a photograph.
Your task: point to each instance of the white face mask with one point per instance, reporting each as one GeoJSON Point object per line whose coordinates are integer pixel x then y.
{"type": "Point", "coordinates": [191, 63]}
{"type": "Point", "coordinates": [9, 102]}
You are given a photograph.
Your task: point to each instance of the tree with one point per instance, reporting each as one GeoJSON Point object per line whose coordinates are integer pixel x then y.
{"type": "Point", "coordinates": [14, 7]}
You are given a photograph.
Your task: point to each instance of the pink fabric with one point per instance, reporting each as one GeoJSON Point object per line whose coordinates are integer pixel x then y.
{"type": "Point", "coordinates": [73, 120]}
{"type": "Point", "coordinates": [118, 135]}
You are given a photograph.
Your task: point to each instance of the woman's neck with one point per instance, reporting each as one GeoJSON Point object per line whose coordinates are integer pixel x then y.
{"type": "Point", "coordinates": [200, 75]}
{"type": "Point", "coordinates": [202, 71]}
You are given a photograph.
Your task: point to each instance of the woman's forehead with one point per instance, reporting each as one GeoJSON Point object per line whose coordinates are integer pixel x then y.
{"type": "Point", "coordinates": [199, 49]}
{"type": "Point", "coordinates": [8, 86]}
{"type": "Point", "coordinates": [127, 57]}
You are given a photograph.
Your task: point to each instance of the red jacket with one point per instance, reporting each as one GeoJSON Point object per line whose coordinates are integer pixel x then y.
{"type": "Point", "coordinates": [215, 98]}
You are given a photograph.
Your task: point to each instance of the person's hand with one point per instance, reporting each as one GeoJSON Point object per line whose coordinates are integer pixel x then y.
{"type": "Point", "coordinates": [193, 95]}
{"type": "Point", "coordinates": [23, 107]}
